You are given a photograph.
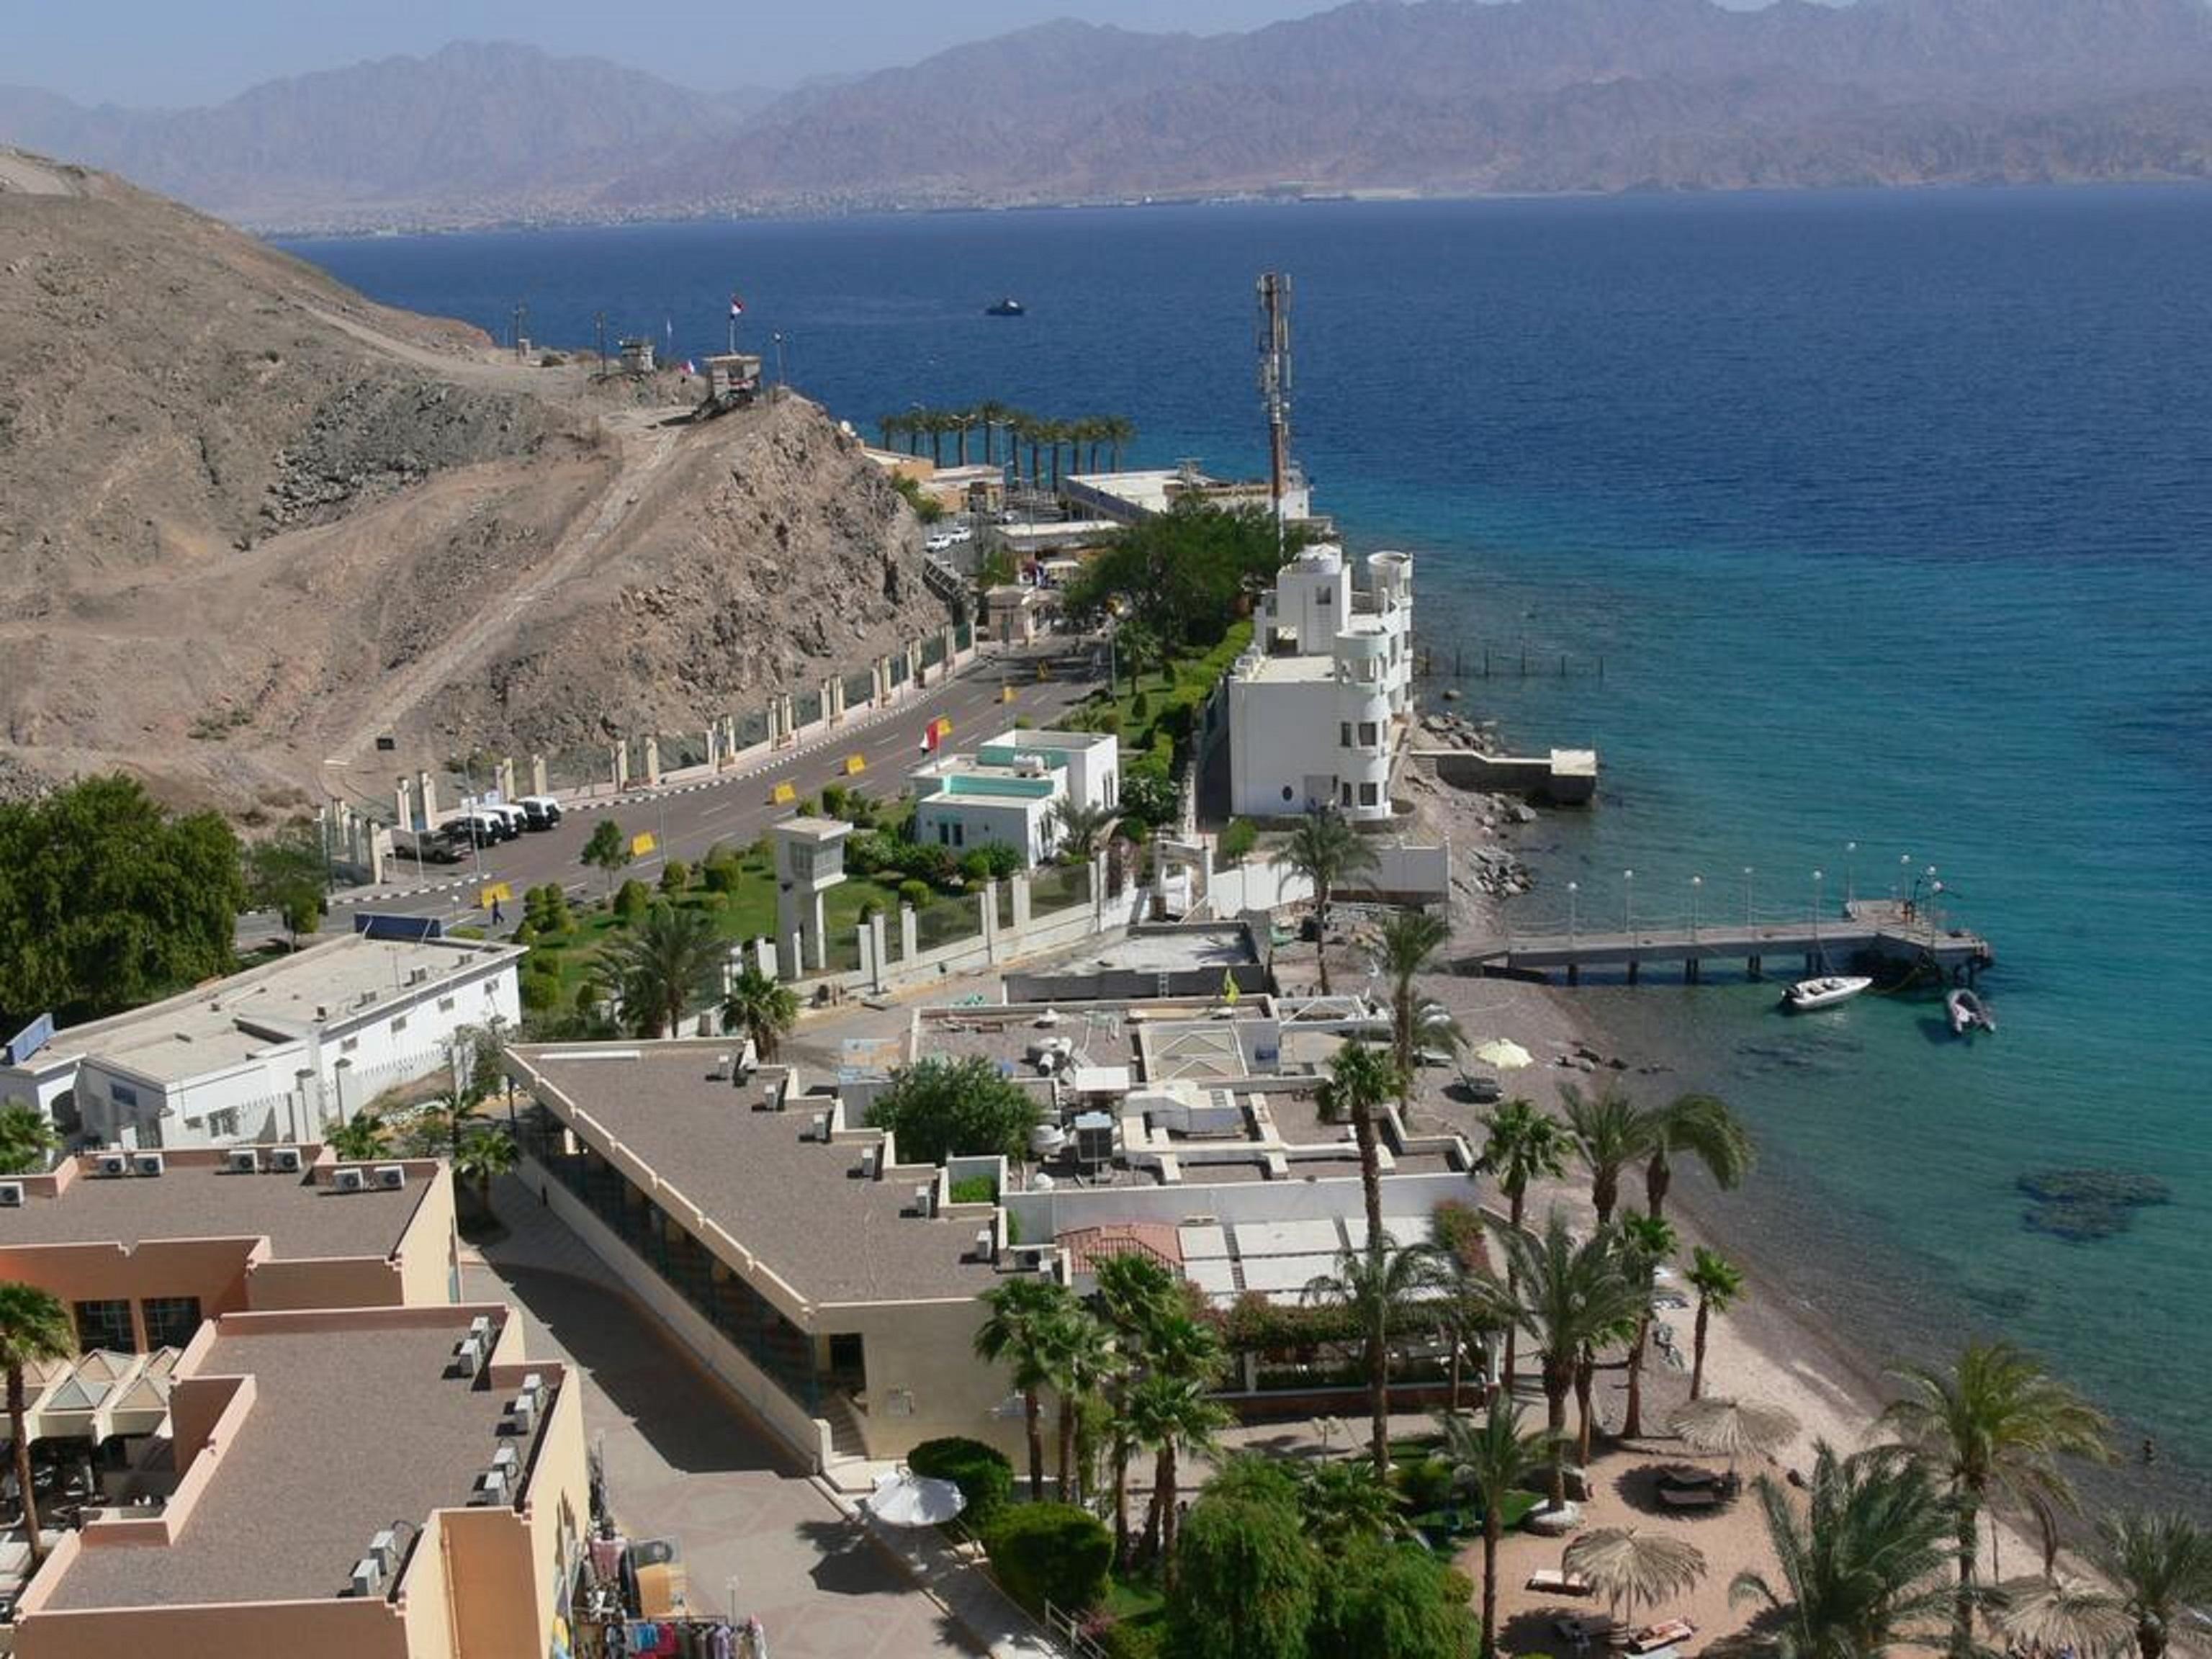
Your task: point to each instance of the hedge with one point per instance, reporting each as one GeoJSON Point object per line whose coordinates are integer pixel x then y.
{"type": "Point", "coordinates": [984, 1476]}
{"type": "Point", "coordinates": [1052, 1553]}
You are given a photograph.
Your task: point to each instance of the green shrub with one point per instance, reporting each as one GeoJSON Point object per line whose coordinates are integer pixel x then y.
{"type": "Point", "coordinates": [1426, 1482]}
{"type": "Point", "coordinates": [913, 892]}
{"type": "Point", "coordinates": [975, 867]}
{"type": "Point", "coordinates": [1126, 1639]}
{"type": "Point", "coordinates": [675, 877]}
{"type": "Point", "coordinates": [1052, 1553]}
{"type": "Point", "coordinates": [1003, 860]}
{"type": "Point", "coordinates": [1460, 1231]}
{"type": "Point", "coordinates": [984, 1476]}
{"type": "Point", "coordinates": [1237, 843]}
{"type": "Point", "coordinates": [541, 989]}
{"type": "Point", "coordinates": [870, 910]}
{"type": "Point", "coordinates": [632, 900]}
{"type": "Point", "coordinates": [867, 851]}
{"type": "Point", "coordinates": [722, 871]}
{"type": "Point", "coordinates": [1141, 707]}
{"type": "Point", "coordinates": [975, 1189]}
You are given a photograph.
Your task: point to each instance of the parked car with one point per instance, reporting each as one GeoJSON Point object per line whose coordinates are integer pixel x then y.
{"type": "Point", "coordinates": [474, 827]}
{"type": "Point", "coordinates": [423, 846]}
{"type": "Point", "coordinates": [512, 820]}
{"type": "Point", "coordinates": [542, 811]}
{"type": "Point", "coordinates": [959, 532]}
{"type": "Point", "coordinates": [937, 543]}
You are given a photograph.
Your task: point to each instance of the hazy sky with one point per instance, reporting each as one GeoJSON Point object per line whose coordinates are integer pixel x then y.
{"type": "Point", "coordinates": [162, 52]}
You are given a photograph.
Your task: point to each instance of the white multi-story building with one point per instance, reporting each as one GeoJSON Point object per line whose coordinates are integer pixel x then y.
{"type": "Point", "coordinates": [1316, 705]}
{"type": "Point", "coordinates": [278, 1053]}
{"type": "Point", "coordinates": [1006, 793]}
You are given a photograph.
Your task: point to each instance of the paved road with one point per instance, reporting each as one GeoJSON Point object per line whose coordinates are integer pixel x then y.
{"type": "Point", "coordinates": [687, 820]}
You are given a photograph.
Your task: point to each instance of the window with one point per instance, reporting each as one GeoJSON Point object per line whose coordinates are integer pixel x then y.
{"type": "Point", "coordinates": [1366, 734]}
{"type": "Point", "coordinates": [445, 1005]}
{"type": "Point", "coordinates": [122, 1093]}
{"type": "Point", "coordinates": [347, 1045]}
{"type": "Point", "coordinates": [1346, 796]}
{"type": "Point", "coordinates": [1287, 792]}
{"type": "Point", "coordinates": [170, 1320]}
{"type": "Point", "coordinates": [959, 835]}
{"type": "Point", "coordinates": [1325, 597]}
{"type": "Point", "coordinates": [222, 1125]}
{"type": "Point", "coordinates": [104, 1325]}
{"type": "Point", "coordinates": [398, 1023]}
{"type": "Point", "coordinates": [1344, 734]}
{"type": "Point", "coordinates": [1367, 795]}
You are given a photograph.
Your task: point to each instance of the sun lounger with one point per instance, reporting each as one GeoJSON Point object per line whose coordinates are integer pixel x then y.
{"type": "Point", "coordinates": [1689, 1476]}
{"type": "Point", "coordinates": [1652, 1638]}
{"type": "Point", "coordinates": [1703, 1498]}
{"type": "Point", "coordinates": [1552, 1582]}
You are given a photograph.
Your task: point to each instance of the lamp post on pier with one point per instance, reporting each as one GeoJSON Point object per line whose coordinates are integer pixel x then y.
{"type": "Point", "coordinates": [1746, 897]}
{"type": "Point", "coordinates": [1697, 884]}
{"type": "Point", "coordinates": [1903, 869]}
{"type": "Point", "coordinates": [1628, 904]}
{"type": "Point", "coordinates": [1850, 860]}
{"type": "Point", "coordinates": [1818, 961]}
{"type": "Point", "coordinates": [1573, 888]}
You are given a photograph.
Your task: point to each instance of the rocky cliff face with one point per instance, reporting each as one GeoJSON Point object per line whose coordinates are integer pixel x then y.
{"type": "Point", "coordinates": [256, 522]}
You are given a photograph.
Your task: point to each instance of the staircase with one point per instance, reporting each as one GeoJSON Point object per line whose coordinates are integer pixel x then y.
{"type": "Point", "coordinates": [846, 1439]}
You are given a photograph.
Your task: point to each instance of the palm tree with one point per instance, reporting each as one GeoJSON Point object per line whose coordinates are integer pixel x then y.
{"type": "Point", "coordinates": [2160, 1565]}
{"type": "Point", "coordinates": [1385, 1287]}
{"type": "Point", "coordinates": [989, 415]}
{"type": "Point", "coordinates": [1341, 1502]}
{"type": "Point", "coordinates": [359, 1139]}
{"type": "Point", "coordinates": [1995, 1424]}
{"type": "Point", "coordinates": [1171, 1415]}
{"type": "Point", "coordinates": [1080, 1354]}
{"type": "Point", "coordinates": [659, 969]}
{"type": "Point", "coordinates": [1359, 1080]}
{"type": "Point", "coordinates": [763, 1008]}
{"type": "Point", "coordinates": [2061, 1615]}
{"type": "Point", "coordinates": [1018, 1329]}
{"type": "Point", "coordinates": [1522, 1144]}
{"type": "Point", "coordinates": [1609, 1134]}
{"type": "Point", "coordinates": [34, 1328]}
{"type": "Point", "coordinates": [1080, 828]}
{"type": "Point", "coordinates": [1120, 430]}
{"type": "Point", "coordinates": [483, 1157]}
{"type": "Point", "coordinates": [28, 1139]}
{"type": "Point", "coordinates": [1862, 1570]}
{"type": "Point", "coordinates": [891, 426]}
{"type": "Point", "coordinates": [1326, 851]}
{"type": "Point", "coordinates": [1493, 1456]}
{"type": "Point", "coordinates": [962, 422]}
{"type": "Point", "coordinates": [1406, 946]}
{"type": "Point", "coordinates": [1469, 1310]}
{"type": "Point", "coordinates": [1569, 1297]}
{"type": "Point", "coordinates": [1646, 1242]}
{"type": "Point", "coordinates": [1718, 1282]}
{"type": "Point", "coordinates": [1703, 1127]}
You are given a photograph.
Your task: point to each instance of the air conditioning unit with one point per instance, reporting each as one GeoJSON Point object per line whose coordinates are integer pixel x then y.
{"type": "Point", "coordinates": [243, 1160]}
{"type": "Point", "coordinates": [490, 1488]}
{"type": "Point", "coordinates": [146, 1163]}
{"type": "Point", "coordinates": [505, 1462]}
{"type": "Point", "coordinates": [533, 1386]}
{"type": "Point", "coordinates": [984, 1251]}
{"type": "Point", "coordinates": [724, 1064]}
{"type": "Point", "coordinates": [113, 1165]}
{"type": "Point", "coordinates": [391, 1176]}
{"type": "Point", "coordinates": [480, 1328]}
{"type": "Point", "coordinates": [468, 1355]}
{"type": "Point", "coordinates": [521, 1414]}
{"type": "Point", "coordinates": [819, 1129]}
{"type": "Point", "coordinates": [871, 1156]}
{"type": "Point", "coordinates": [368, 1576]}
{"type": "Point", "coordinates": [384, 1549]}
{"type": "Point", "coordinates": [925, 1199]}
{"type": "Point", "coordinates": [285, 1160]}
{"type": "Point", "coordinates": [11, 1195]}
{"type": "Point", "coordinates": [350, 1180]}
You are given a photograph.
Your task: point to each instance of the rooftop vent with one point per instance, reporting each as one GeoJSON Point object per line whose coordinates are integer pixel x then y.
{"type": "Point", "coordinates": [243, 1160]}
{"type": "Point", "coordinates": [146, 1163]}
{"type": "Point", "coordinates": [284, 1160]}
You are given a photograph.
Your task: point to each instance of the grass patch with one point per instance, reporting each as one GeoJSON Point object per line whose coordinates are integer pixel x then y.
{"type": "Point", "coordinates": [1135, 1600]}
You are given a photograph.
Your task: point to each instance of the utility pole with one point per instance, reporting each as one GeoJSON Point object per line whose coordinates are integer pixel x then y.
{"type": "Point", "coordinates": [599, 322]}
{"type": "Point", "coordinates": [1275, 385]}
{"type": "Point", "coordinates": [521, 326]}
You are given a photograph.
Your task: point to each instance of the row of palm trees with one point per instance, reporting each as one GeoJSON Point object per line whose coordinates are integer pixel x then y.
{"type": "Point", "coordinates": [1137, 1349]}
{"type": "Point", "coordinates": [1083, 440]}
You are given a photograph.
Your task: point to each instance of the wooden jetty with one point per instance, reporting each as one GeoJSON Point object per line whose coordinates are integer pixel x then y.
{"type": "Point", "coordinates": [1884, 928]}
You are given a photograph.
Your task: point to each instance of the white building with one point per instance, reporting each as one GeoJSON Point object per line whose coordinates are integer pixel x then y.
{"type": "Point", "coordinates": [1316, 705]}
{"type": "Point", "coordinates": [1006, 794]}
{"type": "Point", "coordinates": [1125, 498]}
{"type": "Point", "coordinates": [277, 1053]}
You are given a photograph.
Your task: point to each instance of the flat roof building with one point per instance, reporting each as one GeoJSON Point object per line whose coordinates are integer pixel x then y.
{"type": "Point", "coordinates": [363, 1484]}
{"type": "Point", "coordinates": [279, 1053]}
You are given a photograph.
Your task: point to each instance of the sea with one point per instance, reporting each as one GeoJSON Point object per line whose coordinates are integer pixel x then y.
{"type": "Point", "coordinates": [1866, 536]}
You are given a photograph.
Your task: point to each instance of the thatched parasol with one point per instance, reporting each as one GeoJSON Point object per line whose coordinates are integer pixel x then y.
{"type": "Point", "coordinates": [1733, 1428]}
{"type": "Point", "coordinates": [1631, 1567]}
{"type": "Point", "coordinates": [2065, 1613]}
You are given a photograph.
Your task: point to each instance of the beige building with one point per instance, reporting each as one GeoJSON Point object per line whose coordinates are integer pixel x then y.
{"type": "Point", "coordinates": [832, 1288]}
{"type": "Point", "coordinates": [390, 1483]}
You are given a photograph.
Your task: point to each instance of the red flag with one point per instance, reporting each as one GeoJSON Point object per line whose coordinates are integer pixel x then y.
{"type": "Point", "coordinates": [737, 307]}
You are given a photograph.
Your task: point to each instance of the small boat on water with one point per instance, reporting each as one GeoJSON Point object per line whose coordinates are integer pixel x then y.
{"type": "Point", "coordinates": [1826, 991]}
{"type": "Point", "coordinates": [1967, 1011]}
{"type": "Point", "coordinates": [1005, 307]}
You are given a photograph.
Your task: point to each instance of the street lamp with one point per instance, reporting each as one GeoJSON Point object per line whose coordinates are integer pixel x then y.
{"type": "Point", "coordinates": [1818, 961]}
{"type": "Point", "coordinates": [1851, 860]}
{"type": "Point", "coordinates": [1628, 902]}
{"type": "Point", "coordinates": [1904, 869]}
{"type": "Point", "coordinates": [1697, 883]}
{"type": "Point", "coordinates": [1573, 888]}
{"type": "Point", "coordinates": [1746, 897]}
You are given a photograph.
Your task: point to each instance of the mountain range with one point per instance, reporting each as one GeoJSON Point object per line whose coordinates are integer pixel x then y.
{"type": "Point", "coordinates": [1437, 96]}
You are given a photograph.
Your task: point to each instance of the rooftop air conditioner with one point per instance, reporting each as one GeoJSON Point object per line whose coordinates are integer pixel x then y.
{"type": "Point", "coordinates": [821, 1126]}
{"type": "Point", "coordinates": [925, 1201]}
{"type": "Point", "coordinates": [284, 1160]}
{"type": "Point", "coordinates": [242, 1160]}
{"type": "Point", "coordinates": [368, 1576]}
{"type": "Point", "coordinates": [984, 1240]}
{"type": "Point", "coordinates": [350, 1181]}
{"type": "Point", "coordinates": [490, 1488]}
{"type": "Point", "coordinates": [505, 1462]}
{"type": "Point", "coordinates": [146, 1163]}
{"type": "Point", "coordinates": [391, 1176]}
{"type": "Point", "coordinates": [384, 1549]}
{"type": "Point", "coordinates": [114, 1163]}
{"type": "Point", "coordinates": [870, 1158]}
{"type": "Point", "coordinates": [11, 1195]}
{"type": "Point", "coordinates": [521, 1414]}
{"type": "Point", "coordinates": [481, 1326]}
{"type": "Point", "coordinates": [723, 1066]}
{"type": "Point", "coordinates": [533, 1384]}
{"type": "Point", "coordinates": [468, 1355]}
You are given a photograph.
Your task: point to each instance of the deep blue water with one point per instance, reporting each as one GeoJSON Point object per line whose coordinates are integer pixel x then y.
{"type": "Point", "coordinates": [1886, 516]}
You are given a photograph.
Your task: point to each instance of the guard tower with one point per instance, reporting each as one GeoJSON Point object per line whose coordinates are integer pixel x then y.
{"type": "Point", "coordinates": [810, 859]}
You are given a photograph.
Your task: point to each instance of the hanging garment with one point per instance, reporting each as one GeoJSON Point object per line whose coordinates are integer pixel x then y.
{"type": "Point", "coordinates": [606, 1555]}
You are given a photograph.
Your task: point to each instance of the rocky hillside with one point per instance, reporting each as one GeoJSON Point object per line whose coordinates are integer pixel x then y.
{"type": "Point", "coordinates": [255, 523]}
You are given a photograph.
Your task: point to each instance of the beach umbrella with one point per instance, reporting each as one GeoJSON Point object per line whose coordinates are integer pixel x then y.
{"type": "Point", "coordinates": [907, 1499]}
{"type": "Point", "coordinates": [1631, 1567]}
{"type": "Point", "coordinates": [1504, 1054]}
{"type": "Point", "coordinates": [1733, 1428]}
{"type": "Point", "coordinates": [2062, 1614]}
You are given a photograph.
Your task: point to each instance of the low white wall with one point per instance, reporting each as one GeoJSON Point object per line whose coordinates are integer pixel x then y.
{"type": "Point", "coordinates": [1046, 1215]}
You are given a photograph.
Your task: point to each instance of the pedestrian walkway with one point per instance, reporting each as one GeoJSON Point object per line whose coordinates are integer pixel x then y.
{"type": "Point", "coordinates": [684, 1461]}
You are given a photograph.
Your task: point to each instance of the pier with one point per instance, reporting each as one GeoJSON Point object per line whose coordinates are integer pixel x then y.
{"type": "Point", "coordinates": [1885, 928]}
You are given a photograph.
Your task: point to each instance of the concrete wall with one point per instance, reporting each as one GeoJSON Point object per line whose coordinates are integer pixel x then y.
{"type": "Point", "coordinates": [924, 1380]}
{"type": "Point", "coordinates": [331, 1629]}
{"type": "Point", "coordinates": [214, 1270]}
{"type": "Point", "coordinates": [1045, 1215]}
{"type": "Point", "coordinates": [503, 1565]}
{"type": "Point", "coordinates": [1402, 875]}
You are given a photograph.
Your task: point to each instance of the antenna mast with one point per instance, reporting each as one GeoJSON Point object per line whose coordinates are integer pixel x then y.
{"type": "Point", "coordinates": [1275, 385]}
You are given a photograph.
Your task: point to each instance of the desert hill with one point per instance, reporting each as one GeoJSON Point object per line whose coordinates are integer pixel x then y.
{"type": "Point", "coordinates": [256, 522]}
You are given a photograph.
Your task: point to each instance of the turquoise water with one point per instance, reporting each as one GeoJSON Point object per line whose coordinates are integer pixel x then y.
{"type": "Point", "coordinates": [1886, 518]}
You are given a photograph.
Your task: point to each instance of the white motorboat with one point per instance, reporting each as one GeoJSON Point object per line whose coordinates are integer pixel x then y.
{"type": "Point", "coordinates": [1826, 991]}
{"type": "Point", "coordinates": [1967, 1011]}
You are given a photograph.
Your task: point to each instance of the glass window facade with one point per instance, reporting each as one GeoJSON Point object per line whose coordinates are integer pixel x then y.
{"type": "Point", "coordinates": [104, 1325]}
{"type": "Point", "coordinates": [747, 1319]}
{"type": "Point", "coordinates": [170, 1320]}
